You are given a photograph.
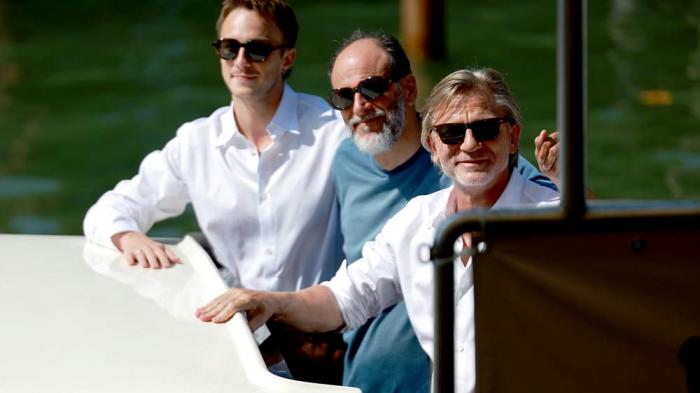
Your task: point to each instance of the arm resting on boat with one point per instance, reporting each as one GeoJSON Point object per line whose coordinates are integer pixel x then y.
{"type": "Point", "coordinates": [311, 310]}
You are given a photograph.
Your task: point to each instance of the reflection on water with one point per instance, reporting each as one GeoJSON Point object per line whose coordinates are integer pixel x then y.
{"type": "Point", "coordinates": [642, 33]}
{"type": "Point", "coordinates": [21, 186]}
{"type": "Point", "coordinates": [177, 290]}
{"type": "Point", "coordinates": [685, 160]}
{"type": "Point", "coordinates": [644, 128]}
{"type": "Point", "coordinates": [683, 170]}
{"type": "Point", "coordinates": [26, 223]}
{"type": "Point", "coordinates": [29, 186]}
{"type": "Point", "coordinates": [694, 66]}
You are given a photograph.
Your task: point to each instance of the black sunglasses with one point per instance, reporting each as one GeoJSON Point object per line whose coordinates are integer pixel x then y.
{"type": "Point", "coordinates": [482, 130]}
{"type": "Point", "coordinates": [255, 50]}
{"type": "Point", "coordinates": [370, 88]}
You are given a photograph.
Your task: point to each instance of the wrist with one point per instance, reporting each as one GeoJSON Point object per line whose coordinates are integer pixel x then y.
{"type": "Point", "coordinates": [279, 305]}
{"type": "Point", "coordinates": [118, 239]}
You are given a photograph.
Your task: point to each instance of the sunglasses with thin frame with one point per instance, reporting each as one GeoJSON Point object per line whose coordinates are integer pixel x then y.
{"type": "Point", "coordinates": [370, 88]}
{"type": "Point", "coordinates": [482, 130]}
{"type": "Point", "coordinates": [255, 50]}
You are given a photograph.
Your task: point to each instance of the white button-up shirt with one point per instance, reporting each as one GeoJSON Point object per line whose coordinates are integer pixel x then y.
{"type": "Point", "coordinates": [391, 270]}
{"type": "Point", "coordinates": [271, 218]}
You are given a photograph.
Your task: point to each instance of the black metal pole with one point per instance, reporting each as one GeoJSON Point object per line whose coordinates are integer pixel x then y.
{"type": "Point", "coordinates": [571, 115]}
{"type": "Point", "coordinates": [444, 318]}
{"type": "Point", "coordinates": [571, 105]}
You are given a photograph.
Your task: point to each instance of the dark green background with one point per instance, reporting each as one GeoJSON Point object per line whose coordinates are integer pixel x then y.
{"type": "Point", "coordinates": [87, 89]}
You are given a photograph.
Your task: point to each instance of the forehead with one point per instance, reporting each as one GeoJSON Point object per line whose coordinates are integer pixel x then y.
{"type": "Point", "coordinates": [243, 25]}
{"type": "Point", "coordinates": [360, 60]}
{"type": "Point", "coordinates": [465, 107]}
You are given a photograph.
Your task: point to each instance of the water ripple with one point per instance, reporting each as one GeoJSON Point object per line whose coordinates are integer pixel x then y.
{"type": "Point", "coordinates": [22, 186]}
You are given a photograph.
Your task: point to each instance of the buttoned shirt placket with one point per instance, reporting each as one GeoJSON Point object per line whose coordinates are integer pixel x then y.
{"type": "Point", "coordinates": [260, 163]}
{"type": "Point", "coordinates": [265, 212]}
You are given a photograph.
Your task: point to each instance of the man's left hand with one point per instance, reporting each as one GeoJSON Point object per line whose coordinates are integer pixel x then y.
{"type": "Point", "coordinates": [547, 154]}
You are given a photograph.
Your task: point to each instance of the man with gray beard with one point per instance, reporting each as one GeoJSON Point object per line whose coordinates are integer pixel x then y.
{"type": "Point", "coordinates": [392, 129]}
{"type": "Point", "coordinates": [376, 173]}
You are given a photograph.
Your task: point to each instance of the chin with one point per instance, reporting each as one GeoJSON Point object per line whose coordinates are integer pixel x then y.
{"type": "Point", "coordinates": [473, 179]}
{"type": "Point", "coordinates": [242, 91]}
{"type": "Point", "coordinates": [363, 131]}
{"type": "Point", "coordinates": [242, 84]}
{"type": "Point", "coordinates": [374, 143]}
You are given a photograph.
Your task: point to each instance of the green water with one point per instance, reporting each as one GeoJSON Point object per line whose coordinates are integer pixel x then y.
{"type": "Point", "coordinates": [89, 88]}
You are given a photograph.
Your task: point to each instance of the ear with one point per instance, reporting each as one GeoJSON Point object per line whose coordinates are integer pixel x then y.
{"type": "Point", "coordinates": [290, 54]}
{"type": "Point", "coordinates": [431, 147]}
{"type": "Point", "coordinates": [514, 137]}
{"type": "Point", "coordinates": [410, 89]}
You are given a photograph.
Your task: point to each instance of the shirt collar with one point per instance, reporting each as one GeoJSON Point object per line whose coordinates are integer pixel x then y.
{"type": "Point", "coordinates": [509, 197]}
{"type": "Point", "coordinates": [463, 274]}
{"type": "Point", "coordinates": [285, 119]}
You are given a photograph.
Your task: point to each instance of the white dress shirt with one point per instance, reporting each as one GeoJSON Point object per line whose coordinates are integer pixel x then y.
{"type": "Point", "coordinates": [391, 270]}
{"type": "Point", "coordinates": [271, 218]}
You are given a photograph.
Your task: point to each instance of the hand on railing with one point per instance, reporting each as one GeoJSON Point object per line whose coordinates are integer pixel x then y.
{"type": "Point", "coordinates": [138, 248]}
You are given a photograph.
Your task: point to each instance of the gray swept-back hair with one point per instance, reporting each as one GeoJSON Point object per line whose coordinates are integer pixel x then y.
{"type": "Point", "coordinates": [486, 81]}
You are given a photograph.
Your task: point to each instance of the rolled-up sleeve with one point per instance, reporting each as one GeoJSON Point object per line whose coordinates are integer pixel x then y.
{"type": "Point", "coordinates": [367, 286]}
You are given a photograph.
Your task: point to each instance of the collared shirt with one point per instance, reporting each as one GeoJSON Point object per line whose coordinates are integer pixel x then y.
{"type": "Point", "coordinates": [271, 218]}
{"type": "Point", "coordinates": [391, 270]}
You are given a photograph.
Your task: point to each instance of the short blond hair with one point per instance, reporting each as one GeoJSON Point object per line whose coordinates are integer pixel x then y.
{"type": "Point", "coordinates": [279, 10]}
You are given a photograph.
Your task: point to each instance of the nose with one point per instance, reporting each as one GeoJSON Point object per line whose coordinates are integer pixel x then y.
{"type": "Point", "coordinates": [360, 104]}
{"type": "Point", "coordinates": [240, 57]}
{"type": "Point", "coordinates": [469, 143]}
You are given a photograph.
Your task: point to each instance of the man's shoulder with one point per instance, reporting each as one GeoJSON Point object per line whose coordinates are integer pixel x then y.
{"type": "Point", "coordinates": [312, 103]}
{"type": "Point", "coordinates": [423, 208]}
{"type": "Point", "coordinates": [213, 118]}
{"type": "Point", "coordinates": [203, 127]}
{"type": "Point", "coordinates": [347, 150]}
{"type": "Point", "coordinates": [529, 172]}
{"type": "Point", "coordinates": [536, 194]}
{"type": "Point", "coordinates": [350, 165]}
{"type": "Point", "coordinates": [437, 199]}
{"type": "Point", "coordinates": [315, 109]}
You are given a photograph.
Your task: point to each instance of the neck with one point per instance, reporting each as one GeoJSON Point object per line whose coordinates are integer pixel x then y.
{"type": "Point", "coordinates": [405, 147]}
{"type": "Point", "coordinates": [252, 115]}
{"type": "Point", "coordinates": [486, 197]}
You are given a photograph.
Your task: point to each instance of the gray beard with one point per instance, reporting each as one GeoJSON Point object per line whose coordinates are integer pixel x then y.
{"type": "Point", "coordinates": [380, 142]}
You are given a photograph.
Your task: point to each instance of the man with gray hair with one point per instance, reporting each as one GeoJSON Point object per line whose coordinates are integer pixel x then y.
{"type": "Point", "coordinates": [471, 128]}
{"type": "Point", "coordinates": [376, 173]}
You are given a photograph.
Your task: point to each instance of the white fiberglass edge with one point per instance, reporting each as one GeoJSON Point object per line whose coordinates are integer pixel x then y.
{"type": "Point", "coordinates": [77, 318]}
{"type": "Point", "coordinates": [246, 346]}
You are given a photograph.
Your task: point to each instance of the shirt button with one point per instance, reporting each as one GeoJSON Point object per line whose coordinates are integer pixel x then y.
{"type": "Point", "coordinates": [460, 349]}
{"type": "Point", "coordinates": [263, 196]}
{"type": "Point", "coordinates": [268, 251]}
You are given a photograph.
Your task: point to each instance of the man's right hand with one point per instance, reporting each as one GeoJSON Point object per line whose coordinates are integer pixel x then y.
{"type": "Point", "coordinates": [258, 305]}
{"type": "Point", "coordinates": [311, 310]}
{"type": "Point", "coordinates": [138, 248]}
